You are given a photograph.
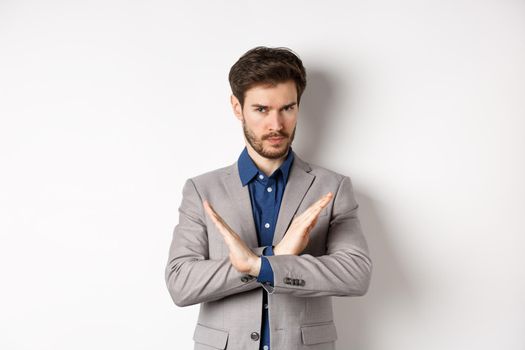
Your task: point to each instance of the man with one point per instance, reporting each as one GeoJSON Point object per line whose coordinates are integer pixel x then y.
{"type": "Point", "coordinates": [263, 244]}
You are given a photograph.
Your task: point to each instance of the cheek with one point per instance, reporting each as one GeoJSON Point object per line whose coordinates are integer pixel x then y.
{"type": "Point", "coordinates": [256, 127]}
{"type": "Point", "coordinates": [290, 123]}
{"type": "Point", "coordinates": [252, 119]}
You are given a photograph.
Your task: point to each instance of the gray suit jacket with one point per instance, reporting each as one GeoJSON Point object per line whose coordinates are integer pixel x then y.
{"type": "Point", "coordinates": [335, 262]}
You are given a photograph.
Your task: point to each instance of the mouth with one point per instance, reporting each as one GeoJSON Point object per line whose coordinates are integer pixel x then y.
{"type": "Point", "coordinates": [275, 140]}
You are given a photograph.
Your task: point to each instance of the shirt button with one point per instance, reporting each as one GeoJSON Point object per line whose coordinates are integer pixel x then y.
{"type": "Point", "coordinates": [269, 189]}
{"type": "Point", "coordinates": [254, 336]}
{"type": "Point", "coordinates": [265, 306]}
{"type": "Point", "coordinates": [265, 347]}
{"type": "Point", "coordinates": [261, 177]}
{"type": "Point", "coordinates": [267, 225]}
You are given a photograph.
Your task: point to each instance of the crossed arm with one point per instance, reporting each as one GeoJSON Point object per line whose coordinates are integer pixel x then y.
{"type": "Point", "coordinates": [192, 278]}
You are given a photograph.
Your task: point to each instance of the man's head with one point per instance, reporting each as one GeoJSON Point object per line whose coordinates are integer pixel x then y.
{"type": "Point", "coordinates": [267, 84]}
{"type": "Point", "coordinates": [264, 65]}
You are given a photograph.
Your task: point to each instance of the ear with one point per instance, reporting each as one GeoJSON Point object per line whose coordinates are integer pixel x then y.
{"type": "Point", "coordinates": [236, 106]}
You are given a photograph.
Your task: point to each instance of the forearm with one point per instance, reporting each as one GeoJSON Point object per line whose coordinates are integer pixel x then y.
{"type": "Point", "coordinates": [343, 273]}
{"type": "Point", "coordinates": [192, 280]}
{"type": "Point", "coordinates": [344, 269]}
{"type": "Point", "coordinates": [191, 276]}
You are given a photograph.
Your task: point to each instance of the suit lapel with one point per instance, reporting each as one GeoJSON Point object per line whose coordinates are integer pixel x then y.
{"type": "Point", "coordinates": [299, 181]}
{"type": "Point", "coordinates": [242, 205]}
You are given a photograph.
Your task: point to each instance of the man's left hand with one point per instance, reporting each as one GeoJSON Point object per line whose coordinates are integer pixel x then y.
{"type": "Point", "coordinates": [242, 258]}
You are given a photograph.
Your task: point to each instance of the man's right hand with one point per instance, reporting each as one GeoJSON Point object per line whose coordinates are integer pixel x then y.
{"type": "Point", "coordinates": [297, 236]}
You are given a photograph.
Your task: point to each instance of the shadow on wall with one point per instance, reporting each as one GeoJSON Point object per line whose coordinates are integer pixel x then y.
{"type": "Point", "coordinates": [316, 107]}
{"type": "Point", "coordinates": [389, 288]}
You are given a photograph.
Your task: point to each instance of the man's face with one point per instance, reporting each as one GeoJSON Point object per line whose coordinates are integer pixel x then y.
{"type": "Point", "coordinates": [269, 117]}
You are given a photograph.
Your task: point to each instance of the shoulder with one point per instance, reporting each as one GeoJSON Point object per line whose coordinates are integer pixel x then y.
{"type": "Point", "coordinates": [322, 174]}
{"type": "Point", "coordinates": [211, 177]}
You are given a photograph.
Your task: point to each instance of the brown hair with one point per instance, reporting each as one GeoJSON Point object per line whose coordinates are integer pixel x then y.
{"type": "Point", "coordinates": [265, 65]}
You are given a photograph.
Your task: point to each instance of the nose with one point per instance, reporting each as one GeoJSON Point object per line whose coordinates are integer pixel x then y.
{"type": "Point", "coordinates": [275, 121]}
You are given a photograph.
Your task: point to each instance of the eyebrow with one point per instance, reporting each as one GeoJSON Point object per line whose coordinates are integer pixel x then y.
{"type": "Point", "coordinates": [283, 107]}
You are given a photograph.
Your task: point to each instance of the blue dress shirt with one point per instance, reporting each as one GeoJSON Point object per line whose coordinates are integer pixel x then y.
{"type": "Point", "coordinates": [266, 193]}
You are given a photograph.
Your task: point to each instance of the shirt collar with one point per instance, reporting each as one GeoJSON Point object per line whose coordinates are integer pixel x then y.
{"type": "Point", "coordinates": [248, 169]}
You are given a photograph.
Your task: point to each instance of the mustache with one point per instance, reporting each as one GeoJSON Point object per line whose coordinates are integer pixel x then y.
{"type": "Point", "coordinates": [274, 135]}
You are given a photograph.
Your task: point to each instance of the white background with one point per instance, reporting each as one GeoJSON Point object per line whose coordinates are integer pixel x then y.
{"type": "Point", "coordinates": [108, 106]}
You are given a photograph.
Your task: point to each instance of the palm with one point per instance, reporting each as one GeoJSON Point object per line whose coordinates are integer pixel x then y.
{"type": "Point", "coordinates": [298, 235]}
{"type": "Point", "coordinates": [241, 257]}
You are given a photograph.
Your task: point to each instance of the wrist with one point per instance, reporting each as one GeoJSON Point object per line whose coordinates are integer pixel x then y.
{"type": "Point", "coordinates": [277, 250]}
{"type": "Point", "coordinates": [255, 266]}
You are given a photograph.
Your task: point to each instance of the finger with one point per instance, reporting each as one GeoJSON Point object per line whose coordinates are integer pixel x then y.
{"type": "Point", "coordinates": [323, 201]}
{"type": "Point", "coordinates": [210, 211]}
{"type": "Point", "coordinates": [214, 217]}
{"type": "Point", "coordinates": [311, 226]}
{"type": "Point", "coordinates": [219, 222]}
{"type": "Point", "coordinates": [313, 212]}
{"type": "Point", "coordinates": [326, 198]}
{"type": "Point", "coordinates": [318, 205]}
{"type": "Point", "coordinates": [306, 216]}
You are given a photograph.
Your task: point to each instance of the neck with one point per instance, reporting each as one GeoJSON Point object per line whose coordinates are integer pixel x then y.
{"type": "Point", "coordinates": [266, 165]}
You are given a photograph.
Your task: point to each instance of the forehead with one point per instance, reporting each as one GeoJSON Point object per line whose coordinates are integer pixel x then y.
{"type": "Point", "coordinates": [267, 94]}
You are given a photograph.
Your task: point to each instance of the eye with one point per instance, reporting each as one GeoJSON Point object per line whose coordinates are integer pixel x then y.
{"type": "Point", "coordinates": [261, 109]}
{"type": "Point", "coordinates": [289, 108]}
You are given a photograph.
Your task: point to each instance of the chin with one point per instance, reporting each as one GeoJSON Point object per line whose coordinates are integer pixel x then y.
{"type": "Point", "coordinates": [278, 151]}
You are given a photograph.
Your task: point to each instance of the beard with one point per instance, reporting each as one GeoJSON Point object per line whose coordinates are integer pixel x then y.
{"type": "Point", "coordinates": [272, 151]}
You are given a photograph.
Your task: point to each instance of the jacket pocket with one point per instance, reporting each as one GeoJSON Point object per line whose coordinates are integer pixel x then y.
{"type": "Point", "coordinates": [216, 338]}
{"type": "Point", "coordinates": [319, 333]}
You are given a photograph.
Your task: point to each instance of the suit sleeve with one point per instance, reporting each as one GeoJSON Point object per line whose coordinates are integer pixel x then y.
{"type": "Point", "coordinates": [345, 269]}
{"type": "Point", "coordinates": [191, 277]}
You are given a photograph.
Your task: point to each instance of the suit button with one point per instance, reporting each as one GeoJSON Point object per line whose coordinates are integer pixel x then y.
{"type": "Point", "coordinates": [245, 278]}
{"type": "Point", "coordinates": [254, 336]}
{"type": "Point", "coordinates": [302, 283]}
{"type": "Point", "coordinates": [287, 280]}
